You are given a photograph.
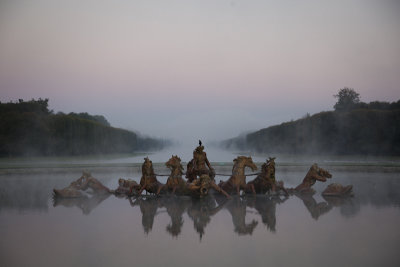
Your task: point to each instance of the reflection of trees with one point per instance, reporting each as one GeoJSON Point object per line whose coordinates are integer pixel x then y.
{"type": "Point", "coordinates": [266, 207]}
{"type": "Point", "coordinates": [237, 208]}
{"type": "Point", "coordinates": [315, 209]}
{"type": "Point", "coordinates": [86, 204]}
{"type": "Point", "coordinates": [202, 210]}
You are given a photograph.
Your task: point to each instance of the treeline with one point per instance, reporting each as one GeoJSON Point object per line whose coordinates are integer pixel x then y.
{"type": "Point", "coordinates": [30, 128]}
{"type": "Point", "coordinates": [372, 129]}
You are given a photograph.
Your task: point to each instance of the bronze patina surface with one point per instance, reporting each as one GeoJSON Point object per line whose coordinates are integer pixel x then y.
{"type": "Point", "coordinates": [237, 181]}
{"type": "Point", "coordinates": [85, 182]}
{"type": "Point", "coordinates": [313, 175]}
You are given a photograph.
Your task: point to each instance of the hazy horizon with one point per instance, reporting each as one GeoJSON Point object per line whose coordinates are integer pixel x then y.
{"type": "Point", "coordinates": [189, 70]}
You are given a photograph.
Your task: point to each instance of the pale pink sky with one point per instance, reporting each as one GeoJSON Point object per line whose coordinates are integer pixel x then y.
{"type": "Point", "coordinates": [198, 69]}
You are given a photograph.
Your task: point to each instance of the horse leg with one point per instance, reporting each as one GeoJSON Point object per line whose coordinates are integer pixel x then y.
{"type": "Point", "coordinates": [238, 190]}
{"type": "Point", "coordinates": [141, 190]}
{"type": "Point", "coordinates": [252, 188]}
{"type": "Point", "coordinates": [273, 187]}
{"type": "Point", "coordinates": [173, 189]}
{"type": "Point", "coordinates": [220, 190]}
{"type": "Point", "coordinates": [160, 187]}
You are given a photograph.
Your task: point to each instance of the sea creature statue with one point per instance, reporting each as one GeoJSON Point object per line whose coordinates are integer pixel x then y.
{"type": "Point", "coordinates": [200, 187]}
{"type": "Point", "coordinates": [175, 182]}
{"type": "Point", "coordinates": [71, 191]}
{"type": "Point", "coordinates": [238, 179]}
{"type": "Point", "coordinates": [199, 165]}
{"type": "Point", "coordinates": [338, 190]}
{"type": "Point", "coordinates": [314, 174]}
{"type": "Point", "coordinates": [149, 180]}
{"type": "Point", "coordinates": [126, 187]}
{"type": "Point", "coordinates": [77, 188]}
{"type": "Point", "coordinates": [265, 181]}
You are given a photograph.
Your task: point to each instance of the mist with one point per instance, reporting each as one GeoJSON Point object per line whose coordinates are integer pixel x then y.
{"type": "Point", "coordinates": [199, 69]}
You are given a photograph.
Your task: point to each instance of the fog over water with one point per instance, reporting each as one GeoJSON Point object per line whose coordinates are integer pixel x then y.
{"type": "Point", "coordinates": [180, 231]}
{"type": "Point", "coordinates": [186, 70]}
{"type": "Point", "coordinates": [198, 69]}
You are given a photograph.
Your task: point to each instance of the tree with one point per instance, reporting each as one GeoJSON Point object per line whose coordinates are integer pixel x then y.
{"type": "Point", "coordinates": [347, 99]}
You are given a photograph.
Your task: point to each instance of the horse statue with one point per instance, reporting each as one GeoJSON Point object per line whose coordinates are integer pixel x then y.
{"type": "Point", "coordinates": [77, 188]}
{"type": "Point", "coordinates": [238, 179]}
{"type": "Point", "coordinates": [175, 181]}
{"type": "Point", "coordinates": [190, 173]}
{"type": "Point", "coordinates": [265, 181]}
{"type": "Point", "coordinates": [149, 181]}
{"type": "Point", "coordinates": [314, 174]}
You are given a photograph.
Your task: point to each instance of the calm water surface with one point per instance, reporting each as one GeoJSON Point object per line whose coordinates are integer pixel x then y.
{"type": "Point", "coordinates": [35, 230]}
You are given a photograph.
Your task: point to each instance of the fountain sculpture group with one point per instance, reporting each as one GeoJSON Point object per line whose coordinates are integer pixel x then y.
{"type": "Point", "coordinates": [201, 180]}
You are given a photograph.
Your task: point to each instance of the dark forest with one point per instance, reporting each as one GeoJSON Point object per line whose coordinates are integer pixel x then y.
{"type": "Point", "coordinates": [29, 128]}
{"type": "Point", "coordinates": [353, 128]}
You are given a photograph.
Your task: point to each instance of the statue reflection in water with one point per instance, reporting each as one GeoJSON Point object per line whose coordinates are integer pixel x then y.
{"type": "Point", "coordinates": [237, 208]}
{"type": "Point", "coordinates": [201, 210]}
{"type": "Point", "coordinates": [315, 208]}
{"type": "Point", "coordinates": [148, 207]}
{"type": "Point", "coordinates": [84, 203]}
{"type": "Point", "coordinates": [266, 207]}
{"type": "Point", "coordinates": [176, 207]}
{"type": "Point", "coordinates": [347, 204]}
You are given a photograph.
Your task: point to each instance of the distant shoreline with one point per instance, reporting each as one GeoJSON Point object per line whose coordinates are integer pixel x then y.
{"type": "Point", "coordinates": [220, 167]}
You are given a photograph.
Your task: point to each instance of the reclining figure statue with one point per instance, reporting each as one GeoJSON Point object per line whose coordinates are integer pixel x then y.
{"type": "Point", "coordinates": [175, 182]}
{"type": "Point", "coordinates": [149, 180]}
{"type": "Point", "coordinates": [237, 181]}
{"type": "Point", "coordinates": [77, 188]}
{"type": "Point", "coordinates": [201, 186]}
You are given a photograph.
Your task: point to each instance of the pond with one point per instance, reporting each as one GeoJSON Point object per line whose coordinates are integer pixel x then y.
{"type": "Point", "coordinates": [37, 230]}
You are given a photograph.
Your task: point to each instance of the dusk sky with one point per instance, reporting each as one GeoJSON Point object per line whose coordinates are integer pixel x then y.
{"type": "Point", "coordinates": [192, 70]}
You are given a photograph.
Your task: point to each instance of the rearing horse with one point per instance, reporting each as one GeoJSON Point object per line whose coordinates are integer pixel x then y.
{"type": "Point", "coordinates": [149, 180]}
{"type": "Point", "coordinates": [238, 179]}
{"type": "Point", "coordinates": [175, 180]}
{"type": "Point", "coordinates": [266, 181]}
